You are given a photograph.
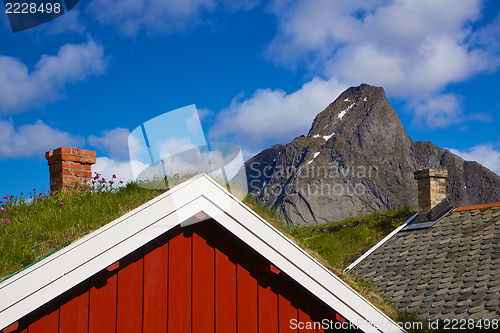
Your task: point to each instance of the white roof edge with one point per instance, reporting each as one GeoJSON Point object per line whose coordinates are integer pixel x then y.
{"type": "Point", "coordinates": [292, 259]}
{"type": "Point", "coordinates": [379, 244]}
{"type": "Point", "coordinates": [301, 250]}
{"type": "Point", "coordinates": [33, 287]}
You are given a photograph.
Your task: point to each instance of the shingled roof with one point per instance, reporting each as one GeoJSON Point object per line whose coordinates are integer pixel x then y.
{"type": "Point", "coordinates": [450, 270]}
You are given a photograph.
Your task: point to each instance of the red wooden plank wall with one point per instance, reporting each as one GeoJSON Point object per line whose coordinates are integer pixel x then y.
{"type": "Point", "coordinates": [203, 284]}
{"type": "Point", "coordinates": [155, 285]}
{"type": "Point", "coordinates": [194, 279]}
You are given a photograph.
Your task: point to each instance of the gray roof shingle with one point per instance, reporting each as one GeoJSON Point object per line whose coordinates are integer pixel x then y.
{"type": "Point", "coordinates": [449, 270]}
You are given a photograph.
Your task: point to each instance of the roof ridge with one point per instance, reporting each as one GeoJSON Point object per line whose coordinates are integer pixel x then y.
{"type": "Point", "coordinates": [480, 206]}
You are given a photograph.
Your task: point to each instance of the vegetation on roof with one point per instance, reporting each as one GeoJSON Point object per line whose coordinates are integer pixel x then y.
{"type": "Point", "coordinates": [337, 244]}
{"type": "Point", "coordinates": [32, 228]}
{"type": "Point", "coordinates": [341, 243]}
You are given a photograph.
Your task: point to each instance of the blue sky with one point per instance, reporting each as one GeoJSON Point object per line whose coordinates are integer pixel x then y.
{"type": "Point", "coordinates": [257, 71]}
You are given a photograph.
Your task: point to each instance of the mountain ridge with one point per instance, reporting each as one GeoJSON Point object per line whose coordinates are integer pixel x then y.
{"type": "Point", "coordinates": [357, 159]}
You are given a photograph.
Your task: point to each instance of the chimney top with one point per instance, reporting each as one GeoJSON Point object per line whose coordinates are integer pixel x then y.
{"type": "Point", "coordinates": [431, 173]}
{"type": "Point", "coordinates": [431, 188]}
{"type": "Point", "coordinates": [69, 165]}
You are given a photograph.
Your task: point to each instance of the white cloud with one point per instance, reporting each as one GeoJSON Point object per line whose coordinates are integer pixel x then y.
{"type": "Point", "coordinates": [248, 154]}
{"type": "Point", "coordinates": [188, 159]}
{"type": "Point", "coordinates": [193, 124]}
{"type": "Point", "coordinates": [274, 114]}
{"type": "Point", "coordinates": [124, 171]}
{"type": "Point", "coordinates": [136, 149]}
{"type": "Point", "coordinates": [488, 36]}
{"type": "Point", "coordinates": [69, 22]}
{"type": "Point", "coordinates": [414, 49]}
{"type": "Point", "coordinates": [33, 139]}
{"type": "Point", "coordinates": [174, 145]}
{"type": "Point", "coordinates": [114, 142]}
{"type": "Point", "coordinates": [406, 46]}
{"type": "Point", "coordinates": [205, 113]}
{"type": "Point", "coordinates": [22, 89]}
{"type": "Point", "coordinates": [444, 62]}
{"type": "Point", "coordinates": [485, 155]}
{"type": "Point", "coordinates": [180, 155]}
{"type": "Point", "coordinates": [443, 110]}
{"type": "Point", "coordinates": [160, 16]}
{"type": "Point", "coordinates": [439, 111]}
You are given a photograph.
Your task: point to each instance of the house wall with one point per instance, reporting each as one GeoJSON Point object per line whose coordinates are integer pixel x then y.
{"type": "Point", "coordinates": [193, 279]}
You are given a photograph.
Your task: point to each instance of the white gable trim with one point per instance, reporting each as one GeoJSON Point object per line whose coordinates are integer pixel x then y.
{"type": "Point", "coordinates": [379, 244]}
{"type": "Point", "coordinates": [45, 280]}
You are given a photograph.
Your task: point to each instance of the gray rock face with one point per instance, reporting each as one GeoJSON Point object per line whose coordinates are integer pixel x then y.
{"type": "Point", "coordinates": [357, 159]}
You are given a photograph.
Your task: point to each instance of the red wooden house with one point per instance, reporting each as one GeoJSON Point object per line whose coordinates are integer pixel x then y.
{"type": "Point", "coordinates": [194, 259]}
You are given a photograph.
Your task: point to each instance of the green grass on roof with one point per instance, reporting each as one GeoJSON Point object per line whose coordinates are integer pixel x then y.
{"type": "Point", "coordinates": [341, 243]}
{"type": "Point", "coordinates": [337, 244]}
{"type": "Point", "coordinates": [32, 229]}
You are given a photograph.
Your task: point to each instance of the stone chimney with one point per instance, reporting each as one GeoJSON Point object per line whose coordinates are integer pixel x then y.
{"type": "Point", "coordinates": [431, 188]}
{"type": "Point", "coordinates": [69, 165]}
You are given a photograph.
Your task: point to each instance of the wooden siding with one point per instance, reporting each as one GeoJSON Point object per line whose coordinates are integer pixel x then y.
{"type": "Point", "coordinates": [198, 278]}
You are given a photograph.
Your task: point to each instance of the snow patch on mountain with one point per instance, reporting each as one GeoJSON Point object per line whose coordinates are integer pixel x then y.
{"type": "Point", "coordinates": [342, 114]}
{"type": "Point", "coordinates": [315, 155]}
{"type": "Point", "coordinates": [327, 137]}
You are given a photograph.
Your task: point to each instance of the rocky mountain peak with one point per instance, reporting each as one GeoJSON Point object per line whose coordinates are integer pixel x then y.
{"type": "Point", "coordinates": [362, 116]}
{"type": "Point", "coordinates": [357, 159]}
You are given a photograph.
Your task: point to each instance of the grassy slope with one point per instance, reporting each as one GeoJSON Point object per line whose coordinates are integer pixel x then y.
{"type": "Point", "coordinates": [341, 243]}
{"type": "Point", "coordinates": [337, 244]}
{"type": "Point", "coordinates": [30, 231]}
{"type": "Point", "coordinates": [49, 223]}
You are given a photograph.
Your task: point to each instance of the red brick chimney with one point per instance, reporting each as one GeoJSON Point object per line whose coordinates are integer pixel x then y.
{"type": "Point", "coordinates": [69, 165]}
